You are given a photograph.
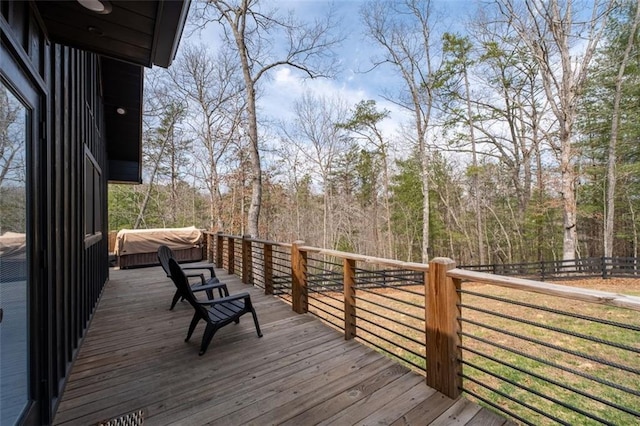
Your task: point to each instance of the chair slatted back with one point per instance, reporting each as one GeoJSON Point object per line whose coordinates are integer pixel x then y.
{"type": "Point", "coordinates": [182, 283]}
{"type": "Point", "coordinates": [164, 254]}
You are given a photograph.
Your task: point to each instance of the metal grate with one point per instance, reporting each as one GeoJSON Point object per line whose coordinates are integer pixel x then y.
{"type": "Point", "coordinates": [132, 419]}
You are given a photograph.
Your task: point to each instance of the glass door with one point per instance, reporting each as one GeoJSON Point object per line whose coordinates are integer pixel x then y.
{"type": "Point", "coordinates": [14, 257]}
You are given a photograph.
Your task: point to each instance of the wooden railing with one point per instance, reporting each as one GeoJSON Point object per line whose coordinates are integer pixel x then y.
{"type": "Point", "coordinates": [487, 335]}
{"type": "Point", "coordinates": [602, 267]}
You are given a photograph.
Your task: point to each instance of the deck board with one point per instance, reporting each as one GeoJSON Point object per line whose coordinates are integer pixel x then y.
{"type": "Point", "coordinates": [301, 372]}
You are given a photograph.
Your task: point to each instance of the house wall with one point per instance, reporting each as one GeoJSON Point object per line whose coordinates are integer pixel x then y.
{"type": "Point", "coordinates": [66, 197]}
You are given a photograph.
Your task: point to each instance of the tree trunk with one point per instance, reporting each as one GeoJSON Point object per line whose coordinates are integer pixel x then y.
{"type": "Point", "coordinates": [424, 161]}
{"type": "Point", "coordinates": [476, 183]}
{"type": "Point", "coordinates": [615, 123]}
{"type": "Point", "coordinates": [253, 216]}
{"type": "Point", "coordinates": [569, 206]}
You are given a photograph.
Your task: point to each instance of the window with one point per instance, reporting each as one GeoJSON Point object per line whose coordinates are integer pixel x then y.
{"type": "Point", "coordinates": [92, 199]}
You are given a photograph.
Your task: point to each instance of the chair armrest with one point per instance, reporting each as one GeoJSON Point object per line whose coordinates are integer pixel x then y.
{"type": "Point", "coordinates": [196, 267]}
{"type": "Point", "coordinates": [226, 299]}
{"type": "Point", "coordinates": [203, 282]}
{"type": "Point", "coordinates": [208, 286]}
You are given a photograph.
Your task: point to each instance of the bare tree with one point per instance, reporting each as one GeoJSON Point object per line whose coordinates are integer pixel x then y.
{"type": "Point", "coordinates": [403, 29]}
{"type": "Point", "coordinates": [213, 89]}
{"type": "Point", "coordinates": [510, 113]}
{"type": "Point", "coordinates": [11, 122]}
{"type": "Point", "coordinates": [159, 145]}
{"type": "Point", "coordinates": [320, 142]}
{"type": "Point", "coordinates": [252, 29]}
{"type": "Point", "coordinates": [552, 32]}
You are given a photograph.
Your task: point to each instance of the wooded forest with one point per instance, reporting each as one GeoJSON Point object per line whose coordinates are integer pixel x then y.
{"type": "Point", "coordinates": [519, 139]}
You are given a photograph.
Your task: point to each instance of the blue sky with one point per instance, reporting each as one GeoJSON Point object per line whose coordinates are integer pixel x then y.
{"type": "Point", "coordinates": [285, 86]}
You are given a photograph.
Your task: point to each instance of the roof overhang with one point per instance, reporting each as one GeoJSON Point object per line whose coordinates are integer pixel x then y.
{"type": "Point", "coordinates": [141, 32]}
{"type": "Point", "coordinates": [122, 85]}
{"type": "Point", "coordinates": [133, 35]}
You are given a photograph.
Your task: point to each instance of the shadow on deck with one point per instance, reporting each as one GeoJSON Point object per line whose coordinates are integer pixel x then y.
{"type": "Point", "coordinates": [301, 372]}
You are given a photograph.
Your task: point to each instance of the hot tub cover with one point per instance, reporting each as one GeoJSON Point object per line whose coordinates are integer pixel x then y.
{"type": "Point", "coordinates": [13, 244]}
{"type": "Point", "coordinates": [134, 241]}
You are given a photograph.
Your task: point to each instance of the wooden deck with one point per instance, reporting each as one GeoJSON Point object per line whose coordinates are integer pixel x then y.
{"type": "Point", "coordinates": [300, 373]}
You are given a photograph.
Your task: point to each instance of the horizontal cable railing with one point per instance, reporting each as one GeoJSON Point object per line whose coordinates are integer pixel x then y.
{"type": "Point", "coordinates": [537, 352]}
{"type": "Point", "coordinates": [282, 271]}
{"type": "Point", "coordinates": [325, 289]}
{"type": "Point", "coordinates": [523, 348]}
{"type": "Point", "coordinates": [390, 313]}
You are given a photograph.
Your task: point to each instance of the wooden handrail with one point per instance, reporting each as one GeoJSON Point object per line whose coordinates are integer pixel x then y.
{"type": "Point", "coordinates": [568, 292]}
{"type": "Point", "coordinates": [368, 259]}
{"type": "Point", "coordinates": [253, 240]}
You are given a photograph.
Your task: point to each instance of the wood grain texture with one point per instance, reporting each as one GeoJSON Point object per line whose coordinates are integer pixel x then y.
{"type": "Point", "coordinates": [573, 293]}
{"type": "Point", "coordinates": [349, 281]}
{"type": "Point", "coordinates": [299, 279]}
{"type": "Point", "coordinates": [442, 307]}
{"type": "Point", "coordinates": [301, 372]}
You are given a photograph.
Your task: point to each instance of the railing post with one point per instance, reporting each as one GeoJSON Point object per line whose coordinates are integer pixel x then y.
{"type": "Point", "coordinates": [442, 328]}
{"type": "Point", "coordinates": [210, 247]}
{"type": "Point", "coordinates": [349, 285]}
{"type": "Point", "coordinates": [604, 267]}
{"type": "Point", "coordinates": [299, 278]}
{"type": "Point", "coordinates": [247, 277]}
{"type": "Point", "coordinates": [268, 268]}
{"type": "Point", "coordinates": [231, 255]}
{"type": "Point", "coordinates": [219, 249]}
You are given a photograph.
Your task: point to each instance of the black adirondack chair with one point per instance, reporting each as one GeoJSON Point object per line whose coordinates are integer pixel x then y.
{"type": "Point", "coordinates": [207, 285]}
{"type": "Point", "coordinates": [216, 313]}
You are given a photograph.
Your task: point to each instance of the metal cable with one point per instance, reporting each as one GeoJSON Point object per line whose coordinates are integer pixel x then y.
{"type": "Point", "coordinates": [398, 287]}
{"type": "Point", "coordinates": [411, 339]}
{"type": "Point", "coordinates": [416, 317]}
{"type": "Point", "coordinates": [314, 281]}
{"type": "Point", "coordinates": [383, 284]}
{"type": "Point", "coordinates": [538, 393]}
{"type": "Point", "coordinates": [395, 285]}
{"type": "Point", "coordinates": [554, 365]}
{"type": "Point", "coordinates": [360, 308]}
{"type": "Point", "coordinates": [497, 407]}
{"type": "Point", "coordinates": [509, 397]}
{"type": "Point", "coordinates": [311, 290]}
{"type": "Point", "coordinates": [556, 347]}
{"type": "Point", "coordinates": [365, 290]}
{"type": "Point", "coordinates": [555, 311]}
{"type": "Point", "coordinates": [406, 361]}
{"type": "Point", "coordinates": [553, 382]}
{"type": "Point", "coordinates": [391, 273]}
{"type": "Point", "coordinates": [340, 323]}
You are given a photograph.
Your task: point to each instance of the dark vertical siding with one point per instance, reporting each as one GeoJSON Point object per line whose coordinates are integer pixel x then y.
{"type": "Point", "coordinates": [81, 264]}
{"type": "Point", "coordinates": [75, 266]}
